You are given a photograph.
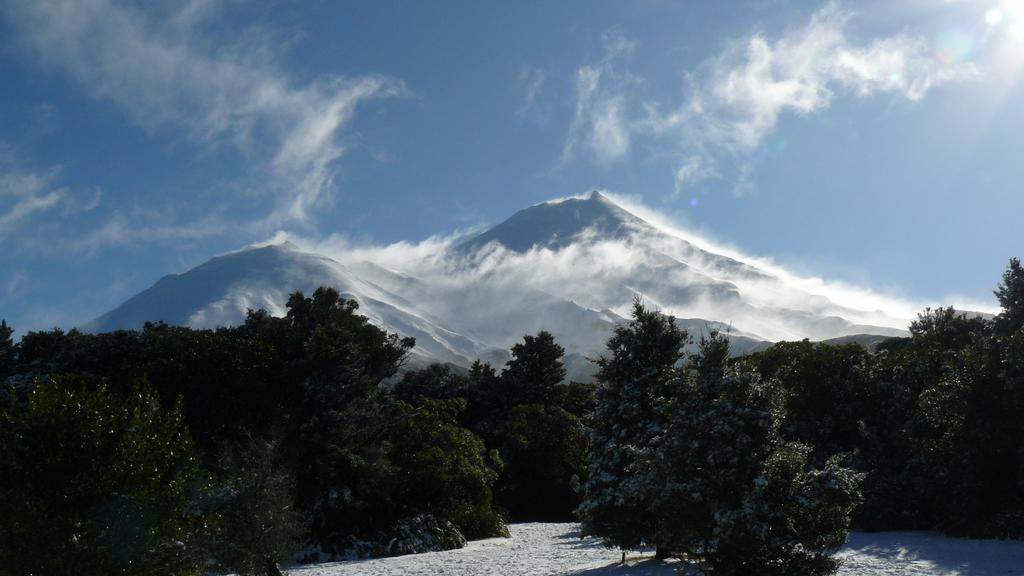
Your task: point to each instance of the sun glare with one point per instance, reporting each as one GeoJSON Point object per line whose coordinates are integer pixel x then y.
{"type": "Point", "coordinates": [1016, 31]}
{"type": "Point", "coordinates": [1007, 17]}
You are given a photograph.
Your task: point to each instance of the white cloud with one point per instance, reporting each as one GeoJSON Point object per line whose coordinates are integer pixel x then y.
{"type": "Point", "coordinates": [24, 194]}
{"type": "Point", "coordinates": [533, 81]}
{"type": "Point", "coordinates": [692, 169]}
{"type": "Point", "coordinates": [735, 99]}
{"type": "Point", "coordinates": [746, 89]}
{"type": "Point", "coordinates": [600, 124]}
{"type": "Point", "coordinates": [677, 270]}
{"type": "Point", "coordinates": [15, 283]}
{"type": "Point", "coordinates": [119, 230]}
{"type": "Point", "coordinates": [29, 205]}
{"type": "Point", "coordinates": [163, 72]}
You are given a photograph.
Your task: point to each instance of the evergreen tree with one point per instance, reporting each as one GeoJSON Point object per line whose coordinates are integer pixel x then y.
{"type": "Point", "coordinates": [256, 522]}
{"type": "Point", "coordinates": [335, 440]}
{"type": "Point", "coordinates": [544, 452]}
{"type": "Point", "coordinates": [635, 382]}
{"type": "Point", "coordinates": [487, 400]}
{"type": "Point", "coordinates": [8, 350]}
{"type": "Point", "coordinates": [96, 484]}
{"type": "Point", "coordinates": [341, 354]}
{"type": "Point", "coordinates": [733, 497]}
{"type": "Point", "coordinates": [1010, 294]}
{"type": "Point", "coordinates": [437, 381]}
{"type": "Point", "coordinates": [443, 469]}
{"type": "Point", "coordinates": [535, 371]}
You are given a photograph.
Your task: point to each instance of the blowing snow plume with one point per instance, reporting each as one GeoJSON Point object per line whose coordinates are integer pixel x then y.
{"type": "Point", "coordinates": [570, 266]}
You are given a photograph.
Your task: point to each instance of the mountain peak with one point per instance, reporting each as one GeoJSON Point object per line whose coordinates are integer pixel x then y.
{"type": "Point", "coordinates": [595, 197]}
{"type": "Point", "coordinates": [283, 245]}
{"type": "Point", "coordinates": [557, 223]}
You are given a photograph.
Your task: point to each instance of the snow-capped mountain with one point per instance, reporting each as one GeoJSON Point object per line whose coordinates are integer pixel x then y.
{"type": "Point", "coordinates": [570, 266]}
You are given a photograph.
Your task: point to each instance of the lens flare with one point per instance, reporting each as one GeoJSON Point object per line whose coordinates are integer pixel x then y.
{"type": "Point", "coordinates": [994, 16]}
{"type": "Point", "coordinates": [955, 47]}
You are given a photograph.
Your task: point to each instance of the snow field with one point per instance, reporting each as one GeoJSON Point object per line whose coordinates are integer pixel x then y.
{"type": "Point", "coordinates": [552, 549]}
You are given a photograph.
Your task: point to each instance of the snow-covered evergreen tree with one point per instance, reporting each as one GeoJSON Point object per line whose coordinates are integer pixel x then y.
{"type": "Point", "coordinates": [735, 497]}
{"type": "Point", "coordinates": [635, 381]}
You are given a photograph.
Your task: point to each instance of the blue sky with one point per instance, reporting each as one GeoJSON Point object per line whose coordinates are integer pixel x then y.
{"type": "Point", "coordinates": [875, 143]}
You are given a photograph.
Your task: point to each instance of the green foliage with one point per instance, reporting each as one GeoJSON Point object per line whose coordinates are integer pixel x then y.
{"type": "Point", "coordinates": [336, 420]}
{"type": "Point", "coordinates": [8, 351]}
{"type": "Point", "coordinates": [731, 495]}
{"type": "Point", "coordinates": [444, 468]}
{"type": "Point", "coordinates": [730, 454]}
{"type": "Point", "coordinates": [313, 377]}
{"type": "Point", "coordinates": [544, 450]}
{"type": "Point", "coordinates": [966, 435]}
{"type": "Point", "coordinates": [255, 524]}
{"type": "Point", "coordinates": [1011, 297]}
{"type": "Point", "coordinates": [535, 371]}
{"type": "Point", "coordinates": [935, 419]}
{"type": "Point", "coordinates": [230, 382]}
{"type": "Point", "coordinates": [532, 418]}
{"type": "Point", "coordinates": [436, 381]}
{"type": "Point", "coordinates": [826, 393]}
{"type": "Point", "coordinates": [386, 462]}
{"type": "Point", "coordinates": [94, 483]}
{"type": "Point", "coordinates": [635, 382]}
{"type": "Point", "coordinates": [341, 354]}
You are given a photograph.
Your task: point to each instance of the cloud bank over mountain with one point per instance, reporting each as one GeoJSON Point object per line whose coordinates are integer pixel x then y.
{"type": "Point", "coordinates": [571, 266]}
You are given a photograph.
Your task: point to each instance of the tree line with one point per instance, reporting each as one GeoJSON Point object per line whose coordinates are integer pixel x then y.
{"type": "Point", "coordinates": [170, 450]}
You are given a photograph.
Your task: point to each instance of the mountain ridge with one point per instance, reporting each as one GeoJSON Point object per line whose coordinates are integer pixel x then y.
{"type": "Point", "coordinates": [571, 266]}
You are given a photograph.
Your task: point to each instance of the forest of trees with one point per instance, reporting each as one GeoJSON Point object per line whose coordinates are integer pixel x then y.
{"type": "Point", "coordinates": [177, 451]}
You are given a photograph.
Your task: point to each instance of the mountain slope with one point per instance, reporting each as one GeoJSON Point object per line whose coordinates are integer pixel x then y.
{"type": "Point", "coordinates": [558, 224]}
{"type": "Point", "coordinates": [220, 291]}
{"type": "Point", "coordinates": [572, 267]}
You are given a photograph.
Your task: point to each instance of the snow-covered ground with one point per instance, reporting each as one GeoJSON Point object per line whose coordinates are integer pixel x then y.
{"type": "Point", "coordinates": [549, 549]}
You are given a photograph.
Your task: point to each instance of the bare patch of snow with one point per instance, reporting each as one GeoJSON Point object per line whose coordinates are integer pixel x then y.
{"type": "Point", "coordinates": [924, 554]}
{"type": "Point", "coordinates": [556, 549]}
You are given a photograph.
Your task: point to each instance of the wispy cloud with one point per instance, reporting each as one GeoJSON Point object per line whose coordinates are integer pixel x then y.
{"type": "Point", "coordinates": [682, 272]}
{"type": "Point", "coordinates": [119, 231]}
{"type": "Point", "coordinates": [165, 72]}
{"type": "Point", "coordinates": [735, 99]}
{"type": "Point", "coordinates": [600, 125]}
{"type": "Point", "coordinates": [532, 81]}
{"type": "Point", "coordinates": [15, 283]}
{"type": "Point", "coordinates": [24, 194]}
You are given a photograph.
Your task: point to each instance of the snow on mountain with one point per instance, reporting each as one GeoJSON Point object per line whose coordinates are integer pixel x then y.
{"type": "Point", "coordinates": [221, 291]}
{"type": "Point", "coordinates": [570, 266]}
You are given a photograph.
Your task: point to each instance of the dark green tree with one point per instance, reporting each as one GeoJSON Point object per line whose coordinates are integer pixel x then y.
{"type": "Point", "coordinates": [488, 400]}
{"type": "Point", "coordinates": [534, 373]}
{"type": "Point", "coordinates": [1010, 294]}
{"type": "Point", "coordinates": [544, 451]}
{"type": "Point", "coordinates": [444, 469]}
{"type": "Point", "coordinates": [845, 399]}
{"type": "Point", "coordinates": [334, 436]}
{"type": "Point", "coordinates": [732, 496]}
{"type": "Point", "coordinates": [255, 523]}
{"type": "Point", "coordinates": [340, 353]}
{"type": "Point", "coordinates": [8, 350]}
{"type": "Point", "coordinates": [94, 483]}
{"type": "Point", "coordinates": [825, 392]}
{"type": "Point", "coordinates": [437, 381]}
{"type": "Point", "coordinates": [635, 382]}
